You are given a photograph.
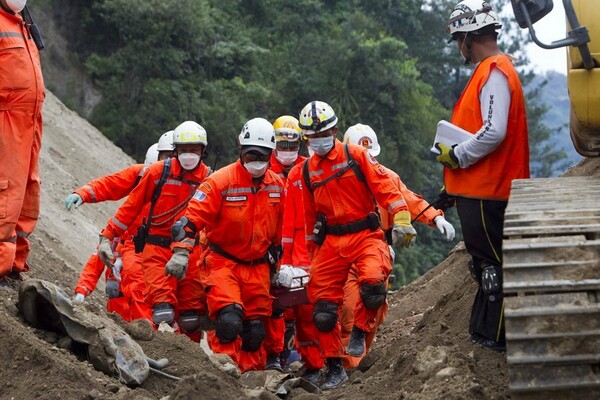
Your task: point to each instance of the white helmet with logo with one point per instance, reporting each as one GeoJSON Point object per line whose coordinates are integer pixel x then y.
{"type": "Point", "coordinates": [473, 16]}
{"type": "Point", "coordinates": [257, 134]}
{"type": "Point", "coordinates": [151, 154]}
{"type": "Point", "coordinates": [365, 136]}
{"type": "Point", "coordinates": [317, 116]}
{"type": "Point", "coordinates": [165, 142]}
{"type": "Point", "coordinates": [189, 132]}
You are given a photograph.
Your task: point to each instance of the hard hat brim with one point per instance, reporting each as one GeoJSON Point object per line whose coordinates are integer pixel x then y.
{"type": "Point", "coordinates": [259, 149]}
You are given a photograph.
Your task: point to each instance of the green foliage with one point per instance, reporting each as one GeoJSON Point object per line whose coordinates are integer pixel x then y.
{"type": "Point", "coordinates": [385, 63]}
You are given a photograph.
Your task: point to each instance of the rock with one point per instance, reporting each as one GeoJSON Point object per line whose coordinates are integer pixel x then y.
{"type": "Point", "coordinates": [140, 329]}
{"type": "Point", "coordinates": [260, 394]}
{"type": "Point", "coordinates": [65, 342]}
{"type": "Point", "coordinates": [164, 327]}
{"type": "Point", "coordinates": [51, 337]}
{"type": "Point", "coordinates": [431, 358]}
{"type": "Point", "coordinates": [446, 372]}
{"type": "Point", "coordinates": [225, 363]}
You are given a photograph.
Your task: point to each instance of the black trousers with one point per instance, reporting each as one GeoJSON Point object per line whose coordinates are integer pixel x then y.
{"type": "Point", "coordinates": [482, 222]}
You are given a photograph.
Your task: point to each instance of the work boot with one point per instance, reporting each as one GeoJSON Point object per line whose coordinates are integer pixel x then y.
{"type": "Point", "coordinates": [356, 345]}
{"type": "Point", "coordinates": [312, 375]}
{"type": "Point", "coordinates": [12, 280]}
{"type": "Point", "coordinates": [273, 363]}
{"type": "Point", "coordinates": [336, 374]}
{"type": "Point", "coordinates": [493, 345]}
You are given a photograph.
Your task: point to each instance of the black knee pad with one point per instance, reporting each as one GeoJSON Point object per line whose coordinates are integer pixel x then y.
{"type": "Point", "coordinates": [189, 321]}
{"type": "Point", "coordinates": [253, 334]}
{"type": "Point", "coordinates": [491, 281]}
{"type": "Point", "coordinates": [325, 315]}
{"type": "Point", "coordinates": [163, 312]}
{"type": "Point", "coordinates": [373, 295]}
{"type": "Point", "coordinates": [229, 323]}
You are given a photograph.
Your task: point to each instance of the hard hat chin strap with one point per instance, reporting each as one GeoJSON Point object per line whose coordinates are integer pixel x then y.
{"type": "Point", "coordinates": [468, 41]}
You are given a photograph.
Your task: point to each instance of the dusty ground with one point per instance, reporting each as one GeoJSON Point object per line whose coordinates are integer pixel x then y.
{"type": "Point", "coordinates": [421, 352]}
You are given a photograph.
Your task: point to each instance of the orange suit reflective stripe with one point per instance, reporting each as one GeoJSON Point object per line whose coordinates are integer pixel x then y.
{"type": "Point", "coordinates": [293, 238]}
{"type": "Point", "coordinates": [491, 177]}
{"type": "Point", "coordinates": [21, 97]}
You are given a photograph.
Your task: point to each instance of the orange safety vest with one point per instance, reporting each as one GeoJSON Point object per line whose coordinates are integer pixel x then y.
{"type": "Point", "coordinates": [491, 177]}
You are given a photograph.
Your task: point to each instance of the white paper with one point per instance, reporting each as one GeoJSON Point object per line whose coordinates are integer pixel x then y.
{"type": "Point", "coordinates": [449, 135]}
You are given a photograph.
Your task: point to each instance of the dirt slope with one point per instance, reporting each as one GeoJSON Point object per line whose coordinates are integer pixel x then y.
{"type": "Point", "coordinates": [421, 352]}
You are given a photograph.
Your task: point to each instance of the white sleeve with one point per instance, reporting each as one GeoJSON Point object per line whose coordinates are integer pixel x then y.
{"type": "Point", "coordinates": [494, 100]}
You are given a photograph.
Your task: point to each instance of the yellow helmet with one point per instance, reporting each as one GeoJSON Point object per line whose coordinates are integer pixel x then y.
{"type": "Point", "coordinates": [287, 129]}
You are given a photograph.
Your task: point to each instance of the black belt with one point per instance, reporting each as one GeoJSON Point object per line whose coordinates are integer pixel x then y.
{"type": "Point", "coordinates": [161, 241]}
{"type": "Point", "coordinates": [165, 242]}
{"type": "Point", "coordinates": [371, 222]}
{"type": "Point", "coordinates": [231, 257]}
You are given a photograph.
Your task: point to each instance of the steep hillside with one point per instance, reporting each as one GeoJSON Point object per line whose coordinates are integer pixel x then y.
{"type": "Point", "coordinates": [421, 352]}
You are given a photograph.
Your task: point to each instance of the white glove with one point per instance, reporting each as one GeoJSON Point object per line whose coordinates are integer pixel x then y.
{"type": "Point", "coordinates": [73, 200]}
{"type": "Point", "coordinates": [116, 269]}
{"type": "Point", "coordinates": [78, 298]}
{"type": "Point", "coordinates": [392, 254]}
{"type": "Point", "coordinates": [287, 273]}
{"type": "Point", "coordinates": [445, 227]}
{"type": "Point", "coordinates": [105, 250]}
{"type": "Point", "coordinates": [177, 265]}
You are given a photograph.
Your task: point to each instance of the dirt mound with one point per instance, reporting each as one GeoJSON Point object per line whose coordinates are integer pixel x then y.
{"type": "Point", "coordinates": [421, 351]}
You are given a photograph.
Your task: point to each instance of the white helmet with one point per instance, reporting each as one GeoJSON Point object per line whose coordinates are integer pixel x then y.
{"type": "Point", "coordinates": [257, 134]}
{"type": "Point", "coordinates": [151, 154]}
{"type": "Point", "coordinates": [165, 142]}
{"type": "Point", "coordinates": [189, 132]}
{"type": "Point", "coordinates": [365, 136]}
{"type": "Point", "coordinates": [472, 16]}
{"type": "Point", "coordinates": [317, 116]}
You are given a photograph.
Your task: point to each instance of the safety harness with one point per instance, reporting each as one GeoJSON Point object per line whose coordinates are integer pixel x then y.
{"type": "Point", "coordinates": [371, 222]}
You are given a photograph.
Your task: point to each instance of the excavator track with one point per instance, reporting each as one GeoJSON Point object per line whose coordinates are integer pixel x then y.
{"type": "Point", "coordinates": [551, 271]}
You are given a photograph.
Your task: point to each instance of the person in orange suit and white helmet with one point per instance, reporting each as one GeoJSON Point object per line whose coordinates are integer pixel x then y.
{"type": "Point", "coordinates": [176, 297]}
{"type": "Point", "coordinates": [343, 227]}
{"type": "Point", "coordinates": [419, 208]}
{"type": "Point", "coordinates": [241, 208]}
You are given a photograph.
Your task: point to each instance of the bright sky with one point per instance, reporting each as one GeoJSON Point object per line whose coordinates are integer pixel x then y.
{"type": "Point", "coordinates": [550, 28]}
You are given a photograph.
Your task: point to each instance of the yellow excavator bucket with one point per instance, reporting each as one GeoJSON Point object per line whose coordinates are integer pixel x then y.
{"type": "Point", "coordinates": [584, 85]}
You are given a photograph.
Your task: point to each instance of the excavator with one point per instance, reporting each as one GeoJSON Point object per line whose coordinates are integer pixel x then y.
{"type": "Point", "coordinates": [551, 249]}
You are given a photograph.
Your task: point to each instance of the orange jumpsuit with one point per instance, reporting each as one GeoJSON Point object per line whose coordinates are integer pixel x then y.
{"type": "Point", "coordinates": [115, 187]}
{"type": "Point", "coordinates": [343, 200]}
{"type": "Point", "coordinates": [21, 96]}
{"type": "Point", "coordinates": [185, 294]}
{"type": "Point", "coordinates": [294, 253]}
{"type": "Point", "coordinates": [87, 283]}
{"type": "Point", "coordinates": [242, 219]}
{"type": "Point", "coordinates": [416, 204]}
{"type": "Point", "coordinates": [275, 327]}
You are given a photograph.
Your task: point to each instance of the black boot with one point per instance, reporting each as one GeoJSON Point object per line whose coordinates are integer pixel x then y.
{"type": "Point", "coordinates": [312, 375]}
{"type": "Point", "coordinates": [273, 363]}
{"type": "Point", "coordinates": [336, 374]}
{"type": "Point", "coordinates": [356, 345]}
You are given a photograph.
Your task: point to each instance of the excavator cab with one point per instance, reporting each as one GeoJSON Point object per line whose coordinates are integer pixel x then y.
{"type": "Point", "coordinates": [583, 75]}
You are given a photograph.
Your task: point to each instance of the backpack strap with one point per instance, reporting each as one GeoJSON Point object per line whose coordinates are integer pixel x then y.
{"type": "Point", "coordinates": [351, 164]}
{"type": "Point", "coordinates": [156, 193]}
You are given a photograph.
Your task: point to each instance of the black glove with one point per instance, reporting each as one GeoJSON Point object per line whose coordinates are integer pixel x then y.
{"type": "Point", "coordinates": [444, 201]}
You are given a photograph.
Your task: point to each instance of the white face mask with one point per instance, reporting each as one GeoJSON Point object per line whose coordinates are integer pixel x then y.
{"type": "Point", "coordinates": [286, 157]}
{"type": "Point", "coordinates": [188, 161]}
{"type": "Point", "coordinates": [322, 145]}
{"type": "Point", "coordinates": [257, 168]}
{"type": "Point", "coordinates": [16, 5]}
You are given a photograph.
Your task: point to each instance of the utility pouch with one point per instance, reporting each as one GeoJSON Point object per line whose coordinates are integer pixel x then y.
{"type": "Point", "coordinates": [320, 229]}
{"type": "Point", "coordinates": [139, 240]}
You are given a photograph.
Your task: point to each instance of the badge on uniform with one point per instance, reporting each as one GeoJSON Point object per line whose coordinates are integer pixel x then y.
{"type": "Point", "coordinates": [199, 195]}
{"type": "Point", "coordinates": [236, 198]}
{"type": "Point", "coordinates": [274, 195]}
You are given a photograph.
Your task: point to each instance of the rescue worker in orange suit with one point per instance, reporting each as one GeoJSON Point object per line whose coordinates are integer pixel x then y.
{"type": "Point", "coordinates": [22, 94]}
{"type": "Point", "coordinates": [177, 299]}
{"type": "Point", "coordinates": [479, 171]}
{"type": "Point", "coordinates": [240, 207]}
{"type": "Point", "coordinates": [126, 295]}
{"type": "Point", "coordinates": [281, 327]}
{"type": "Point", "coordinates": [295, 264]}
{"type": "Point", "coordinates": [420, 211]}
{"type": "Point", "coordinates": [345, 230]}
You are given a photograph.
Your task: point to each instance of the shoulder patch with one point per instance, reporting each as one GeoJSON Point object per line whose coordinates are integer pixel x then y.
{"type": "Point", "coordinates": [372, 159]}
{"type": "Point", "coordinates": [199, 195]}
{"type": "Point", "coordinates": [206, 187]}
{"type": "Point", "coordinates": [381, 170]}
